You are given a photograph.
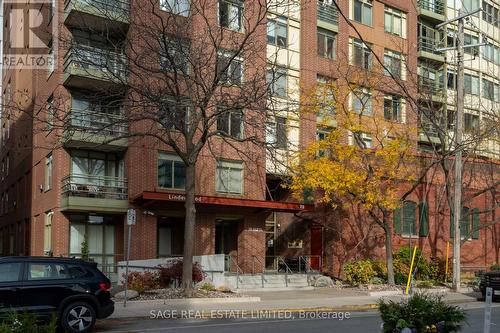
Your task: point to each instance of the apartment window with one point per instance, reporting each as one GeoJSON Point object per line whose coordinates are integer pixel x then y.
{"type": "Point", "coordinates": [471, 40]}
{"type": "Point", "coordinates": [470, 5]}
{"type": "Point", "coordinates": [392, 108]}
{"type": "Point", "coordinates": [360, 139]}
{"type": "Point", "coordinates": [363, 11]}
{"type": "Point", "coordinates": [321, 135]}
{"type": "Point", "coordinates": [491, 53]}
{"type": "Point", "coordinates": [490, 13]}
{"type": "Point", "coordinates": [277, 32]}
{"type": "Point", "coordinates": [229, 68]}
{"type": "Point", "coordinates": [171, 171]}
{"type": "Point", "coordinates": [50, 113]}
{"type": "Point", "coordinates": [325, 92]}
{"type": "Point", "coordinates": [394, 21]}
{"type": "Point", "coordinates": [178, 7]}
{"type": "Point", "coordinates": [47, 233]}
{"type": "Point", "coordinates": [469, 221]}
{"type": "Point", "coordinates": [231, 14]}
{"type": "Point", "coordinates": [174, 55]}
{"type": "Point", "coordinates": [361, 54]}
{"type": "Point", "coordinates": [276, 80]}
{"type": "Point", "coordinates": [491, 90]}
{"type": "Point", "coordinates": [327, 43]}
{"type": "Point", "coordinates": [452, 80]}
{"type": "Point", "coordinates": [229, 177]}
{"type": "Point", "coordinates": [471, 84]}
{"type": "Point", "coordinates": [393, 64]}
{"type": "Point", "coordinates": [174, 113]}
{"type": "Point", "coordinates": [471, 123]}
{"type": "Point", "coordinates": [362, 101]}
{"type": "Point", "coordinates": [230, 123]}
{"type": "Point", "coordinates": [276, 133]}
{"type": "Point", "coordinates": [96, 168]}
{"type": "Point", "coordinates": [48, 172]}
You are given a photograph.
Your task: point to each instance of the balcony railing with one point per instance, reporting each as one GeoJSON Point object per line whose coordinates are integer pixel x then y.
{"type": "Point", "coordinates": [328, 13]}
{"type": "Point", "coordinates": [91, 186]}
{"type": "Point", "coordinates": [429, 129]}
{"type": "Point", "coordinates": [435, 6]}
{"type": "Point", "coordinates": [112, 9]}
{"type": "Point", "coordinates": [107, 124]}
{"type": "Point", "coordinates": [430, 87]}
{"type": "Point", "coordinates": [96, 62]}
{"type": "Point", "coordinates": [430, 45]}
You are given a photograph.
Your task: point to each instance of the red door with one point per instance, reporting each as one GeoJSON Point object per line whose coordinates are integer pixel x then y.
{"type": "Point", "coordinates": [316, 247]}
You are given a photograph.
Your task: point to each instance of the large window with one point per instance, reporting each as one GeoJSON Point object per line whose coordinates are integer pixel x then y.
{"type": "Point", "coordinates": [326, 89]}
{"type": "Point", "coordinates": [277, 32]}
{"type": "Point", "coordinates": [471, 123]}
{"type": "Point", "coordinates": [491, 90]}
{"type": "Point", "coordinates": [471, 84]}
{"type": "Point", "coordinates": [394, 21]}
{"type": "Point", "coordinates": [491, 53]}
{"type": "Point", "coordinates": [276, 133]}
{"type": "Point", "coordinates": [276, 81]}
{"type": "Point", "coordinates": [231, 14]}
{"type": "Point", "coordinates": [327, 43]}
{"type": "Point", "coordinates": [174, 55]}
{"type": "Point", "coordinates": [361, 100]}
{"type": "Point", "coordinates": [363, 11]}
{"type": "Point", "coordinates": [361, 54]}
{"type": "Point", "coordinates": [490, 13]}
{"type": "Point", "coordinates": [360, 139]}
{"type": "Point", "coordinates": [392, 108]}
{"type": "Point", "coordinates": [229, 67]}
{"type": "Point", "coordinates": [469, 223]}
{"type": "Point", "coordinates": [393, 64]}
{"type": "Point", "coordinates": [171, 171]}
{"type": "Point", "coordinates": [405, 219]}
{"type": "Point", "coordinates": [230, 122]}
{"type": "Point", "coordinates": [48, 172]}
{"type": "Point", "coordinates": [174, 113]}
{"type": "Point", "coordinates": [96, 168]}
{"type": "Point", "coordinates": [229, 177]}
{"type": "Point", "coordinates": [471, 40]}
{"type": "Point", "coordinates": [178, 7]}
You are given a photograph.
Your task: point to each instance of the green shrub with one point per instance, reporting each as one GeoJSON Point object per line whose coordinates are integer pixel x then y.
{"type": "Point", "coordinates": [26, 323]}
{"type": "Point", "coordinates": [359, 272]}
{"type": "Point", "coordinates": [423, 269]}
{"type": "Point", "coordinates": [207, 287]}
{"type": "Point", "coordinates": [380, 269]}
{"type": "Point", "coordinates": [423, 312]}
{"type": "Point", "coordinates": [495, 267]}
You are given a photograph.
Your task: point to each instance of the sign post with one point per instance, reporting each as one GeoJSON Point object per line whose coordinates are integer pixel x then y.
{"type": "Point", "coordinates": [131, 220]}
{"type": "Point", "coordinates": [487, 309]}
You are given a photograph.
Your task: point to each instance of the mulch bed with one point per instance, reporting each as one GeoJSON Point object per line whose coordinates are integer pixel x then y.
{"type": "Point", "coordinates": [176, 293]}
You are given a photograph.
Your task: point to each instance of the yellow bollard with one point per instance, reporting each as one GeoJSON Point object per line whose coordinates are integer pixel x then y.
{"type": "Point", "coordinates": [411, 270]}
{"type": "Point", "coordinates": [447, 258]}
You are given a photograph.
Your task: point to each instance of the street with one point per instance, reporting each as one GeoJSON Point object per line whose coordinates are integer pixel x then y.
{"type": "Point", "coordinates": [365, 322]}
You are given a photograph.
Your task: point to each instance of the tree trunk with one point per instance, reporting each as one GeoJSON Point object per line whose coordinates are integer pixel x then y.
{"type": "Point", "coordinates": [388, 252]}
{"type": "Point", "coordinates": [187, 268]}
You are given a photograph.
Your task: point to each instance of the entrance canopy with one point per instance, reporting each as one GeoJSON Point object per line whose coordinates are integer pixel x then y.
{"type": "Point", "coordinates": [148, 198]}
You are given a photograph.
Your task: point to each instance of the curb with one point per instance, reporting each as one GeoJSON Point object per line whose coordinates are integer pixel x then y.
{"type": "Point", "coordinates": [220, 300]}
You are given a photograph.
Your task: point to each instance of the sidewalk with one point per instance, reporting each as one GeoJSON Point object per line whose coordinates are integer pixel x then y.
{"type": "Point", "coordinates": [323, 299]}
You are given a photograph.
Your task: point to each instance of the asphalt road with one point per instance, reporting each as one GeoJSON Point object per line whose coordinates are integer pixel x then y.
{"type": "Point", "coordinates": [362, 322]}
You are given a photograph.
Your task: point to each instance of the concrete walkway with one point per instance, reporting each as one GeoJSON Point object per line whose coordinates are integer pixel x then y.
{"type": "Point", "coordinates": [324, 299]}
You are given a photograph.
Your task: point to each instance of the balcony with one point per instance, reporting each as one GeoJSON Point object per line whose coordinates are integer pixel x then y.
{"type": "Point", "coordinates": [427, 49]}
{"type": "Point", "coordinates": [112, 16]}
{"type": "Point", "coordinates": [88, 67]}
{"type": "Point", "coordinates": [88, 129]}
{"type": "Point", "coordinates": [328, 14]}
{"type": "Point", "coordinates": [431, 90]}
{"type": "Point", "coordinates": [94, 193]}
{"type": "Point", "coordinates": [432, 9]}
{"type": "Point", "coordinates": [428, 132]}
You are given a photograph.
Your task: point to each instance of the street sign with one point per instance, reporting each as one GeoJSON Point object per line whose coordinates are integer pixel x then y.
{"type": "Point", "coordinates": [487, 310]}
{"type": "Point", "coordinates": [131, 216]}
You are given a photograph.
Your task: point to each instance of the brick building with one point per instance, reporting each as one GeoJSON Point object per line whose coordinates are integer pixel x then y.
{"type": "Point", "coordinates": [58, 191]}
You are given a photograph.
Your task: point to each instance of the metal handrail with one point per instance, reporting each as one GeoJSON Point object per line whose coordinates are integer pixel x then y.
{"type": "Point", "coordinates": [95, 186]}
{"type": "Point", "coordinates": [99, 121]}
{"type": "Point", "coordinates": [307, 261]}
{"type": "Point", "coordinates": [263, 268]}
{"type": "Point", "coordinates": [430, 45]}
{"type": "Point", "coordinates": [435, 6]}
{"type": "Point", "coordinates": [96, 58]}
{"type": "Point", "coordinates": [111, 6]}
{"type": "Point", "coordinates": [238, 270]}
{"type": "Point", "coordinates": [287, 269]}
{"type": "Point", "coordinates": [327, 13]}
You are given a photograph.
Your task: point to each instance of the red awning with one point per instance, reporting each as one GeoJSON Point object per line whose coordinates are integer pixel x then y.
{"type": "Point", "coordinates": [147, 198]}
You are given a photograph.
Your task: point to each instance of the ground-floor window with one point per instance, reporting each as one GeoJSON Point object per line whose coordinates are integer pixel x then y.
{"type": "Point", "coordinates": [170, 236]}
{"type": "Point", "coordinates": [93, 237]}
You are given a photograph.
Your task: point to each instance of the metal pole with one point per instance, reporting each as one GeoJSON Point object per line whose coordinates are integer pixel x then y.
{"type": "Point", "coordinates": [487, 310]}
{"type": "Point", "coordinates": [126, 265]}
{"type": "Point", "coordinates": [457, 202]}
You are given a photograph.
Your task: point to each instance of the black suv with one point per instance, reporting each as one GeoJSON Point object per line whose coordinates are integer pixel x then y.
{"type": "Point", "coordinates": [492, 280]}
{"type": "Point", "coordinates": [75, 290]}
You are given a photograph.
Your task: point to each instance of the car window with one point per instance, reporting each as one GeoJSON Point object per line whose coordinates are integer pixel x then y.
{"type": "Point", "coordinates": [47, 271]}
{"type": "Point", "coordinates": [76, 271]}
{"type": "Point", "coordinates": [9, 271]}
